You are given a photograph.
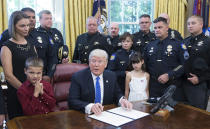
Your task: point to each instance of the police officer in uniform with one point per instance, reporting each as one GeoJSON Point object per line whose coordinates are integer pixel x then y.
{"type": "Point", "coordinates": [55, 37]}
{"type": "Point", "coordinates": [144, 36]}
{"type": "Point", "coordinates": [114, 37]}
{"type": "Point", "coordinates": [173, 34]}
{"type": "Point", "coordinates": [86, 42]}
{"type": "Point", "coordinates": [164, 60]}
{"type": "Point", "coordinates": [119, 61]}
{"type": "Point", "coordinates": [44, 51]}
{"type": "Point", "coordinates": [197, 67]}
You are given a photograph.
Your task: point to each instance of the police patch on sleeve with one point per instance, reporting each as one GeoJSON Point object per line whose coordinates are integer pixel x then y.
{"type": "Point", "coordinates": [113, 57]}
{"type": "Point", "coordinates": [183, 46]}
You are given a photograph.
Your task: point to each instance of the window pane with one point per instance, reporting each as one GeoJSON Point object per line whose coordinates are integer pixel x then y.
{"type": "Point", "coordinates": [130, 11]}
{"type": "Point", "coordinates": [116, 9]}
{"type": "Point", "coordinates": [127, 13]}
{"type": "Point", "coordinates": [128, 28]}
{"type": "Point", "coordinates": [146, 7]}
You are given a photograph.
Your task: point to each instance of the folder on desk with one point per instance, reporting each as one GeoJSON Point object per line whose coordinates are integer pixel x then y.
{"type": "Point", "coordinates": [119, 116]}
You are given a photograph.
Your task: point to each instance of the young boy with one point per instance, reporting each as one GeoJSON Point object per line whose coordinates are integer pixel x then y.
{"type": "Point", "coordinates": [35, 95]}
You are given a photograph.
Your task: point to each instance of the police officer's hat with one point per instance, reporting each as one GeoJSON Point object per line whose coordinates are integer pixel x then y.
{"type": "Point", "coordinates": [63, 52]}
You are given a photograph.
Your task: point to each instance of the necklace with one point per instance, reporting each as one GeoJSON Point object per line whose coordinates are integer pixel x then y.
{"type": "Point", "coordinates": [22, 48]}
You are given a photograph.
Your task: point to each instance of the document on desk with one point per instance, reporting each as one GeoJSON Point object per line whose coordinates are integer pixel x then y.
{"type": "Point", "coordinates": [119, 116]}
{"type": "Point", "coordinates": [133, 114]}
{"type": "Point", "coordinates": [111, 118]}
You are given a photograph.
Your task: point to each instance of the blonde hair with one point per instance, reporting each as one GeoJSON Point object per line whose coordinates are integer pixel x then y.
{"type": "Point", "coordinates": [34, 62]}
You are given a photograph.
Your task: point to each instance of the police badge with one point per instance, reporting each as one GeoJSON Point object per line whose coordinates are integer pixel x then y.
{"type": "Point", "coordinates": [39, 39]}
{"type": "Point", "coordinates": [96, 43]}
{"type": "Point", "coordinates": [200, 43]}
{"type": "Point", "coordinates": [56, 37]}
{"type": "Point", "coordinates": [169, 49]}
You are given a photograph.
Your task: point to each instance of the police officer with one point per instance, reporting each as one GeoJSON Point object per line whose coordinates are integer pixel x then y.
{"type": "Point", "coordinates": [119, 61]}
{"type": "Point", "coordinates": [44, 51]}
{"type": "Point", "coordinates": [197, 67]}
{"type": "Point", "coordinates": [89, 41]}
{"type": "Point", "coordinates": [114, 37]}
{"type": "Point", "coordinates": [144, 36]}
{"type": "Point", "coordinates": [173, 34]}
{"type": "Point", "coordinates": [164, 60]}
{"type": "Point", "coordinates": [55, 37]}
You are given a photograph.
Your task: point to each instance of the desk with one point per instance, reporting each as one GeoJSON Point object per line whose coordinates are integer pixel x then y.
{"type": "Point", "coordinates": [184, 117]}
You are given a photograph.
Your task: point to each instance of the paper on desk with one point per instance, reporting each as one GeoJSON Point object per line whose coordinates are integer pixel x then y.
{"type": "Point", "coordinates": [133, 114]}
{"type": "Point", "coordinates": [111, 118]}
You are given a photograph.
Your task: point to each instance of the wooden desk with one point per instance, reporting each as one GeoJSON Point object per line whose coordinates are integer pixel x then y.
{"type": "Point", "coordinates": [184, 117]}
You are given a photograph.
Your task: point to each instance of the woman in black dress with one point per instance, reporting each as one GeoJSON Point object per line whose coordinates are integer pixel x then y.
{"type": "Point", "coordinates": [13, 55]}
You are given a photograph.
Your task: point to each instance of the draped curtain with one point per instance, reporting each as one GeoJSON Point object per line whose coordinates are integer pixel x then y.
{"type": "Point", "coordinates": [76, 12]}
{"type": "Point", "coordinates": [3, 19]}
{"type": "Point", "coordinates": [176, 9]}
{"type": "Point", "coordinates": [3, 16]}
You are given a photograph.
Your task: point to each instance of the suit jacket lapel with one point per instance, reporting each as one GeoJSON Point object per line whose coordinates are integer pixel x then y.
{"type": "Point", "coordinates": [90, 85]}
{"type": "Point", "coordinates": [106, 88]}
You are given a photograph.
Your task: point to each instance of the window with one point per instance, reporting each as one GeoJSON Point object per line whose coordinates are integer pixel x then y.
{"type": "Point", "coordinates": [55, 6]}
{"type": "Point", "coordinates": [127, 13]}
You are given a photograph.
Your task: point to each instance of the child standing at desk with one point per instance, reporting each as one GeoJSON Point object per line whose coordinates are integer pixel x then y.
{"type": "Point", "coordinates": [35, 95]}
{"type": "Point", "coordinates": [137, 81]}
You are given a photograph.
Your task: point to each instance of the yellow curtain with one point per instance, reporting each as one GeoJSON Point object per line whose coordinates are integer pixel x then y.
{"type": "Point", "coordinates": [176, 9]}
{"type": "Point", "coordinates": [3, 19]}
{"type": "Point", "coordinates": [76, 13]}
{"type": "Point", "coordinates": [3, 16]}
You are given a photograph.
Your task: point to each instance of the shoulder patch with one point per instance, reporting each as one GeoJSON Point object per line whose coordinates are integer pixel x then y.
{"type": "Point", "coordinates": [113, 57]}
{"type": "Point", "coordinates": [183, 46]}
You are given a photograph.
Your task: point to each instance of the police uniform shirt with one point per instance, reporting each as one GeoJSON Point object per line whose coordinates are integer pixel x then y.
{"type": "Point", "coordinates": [174, 34]}
{"type": "Point", "coordinates": [55, 38]}
{"type": "Point", "coordinates": [115, 43]}
{"type": "Point", "coordinates": [41, 41]}
{"type": "Point", "coordinates": [140, 40]}
{"type": "Point", "coordinates": [85, 43]}
{"type": "Point", "coordinates": [166, 56]}
{"type": "Point", "coordinates": [199, 49]}
{"type": "Point", "coordinates": [118, 63]}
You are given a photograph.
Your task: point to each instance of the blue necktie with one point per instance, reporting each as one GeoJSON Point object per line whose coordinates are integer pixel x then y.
{"type": "Point", "coordinates": [97, 91]}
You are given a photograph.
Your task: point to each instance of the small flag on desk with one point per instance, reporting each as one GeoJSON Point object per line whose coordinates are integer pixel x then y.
{"type": "Point", "coordinates": [99, 12]}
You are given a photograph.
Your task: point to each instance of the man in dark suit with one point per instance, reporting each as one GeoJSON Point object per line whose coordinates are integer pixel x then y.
{"type": "Point", "coordinates": [93, 87]}
{"type": "Point", "coordinates": [2, 110]}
